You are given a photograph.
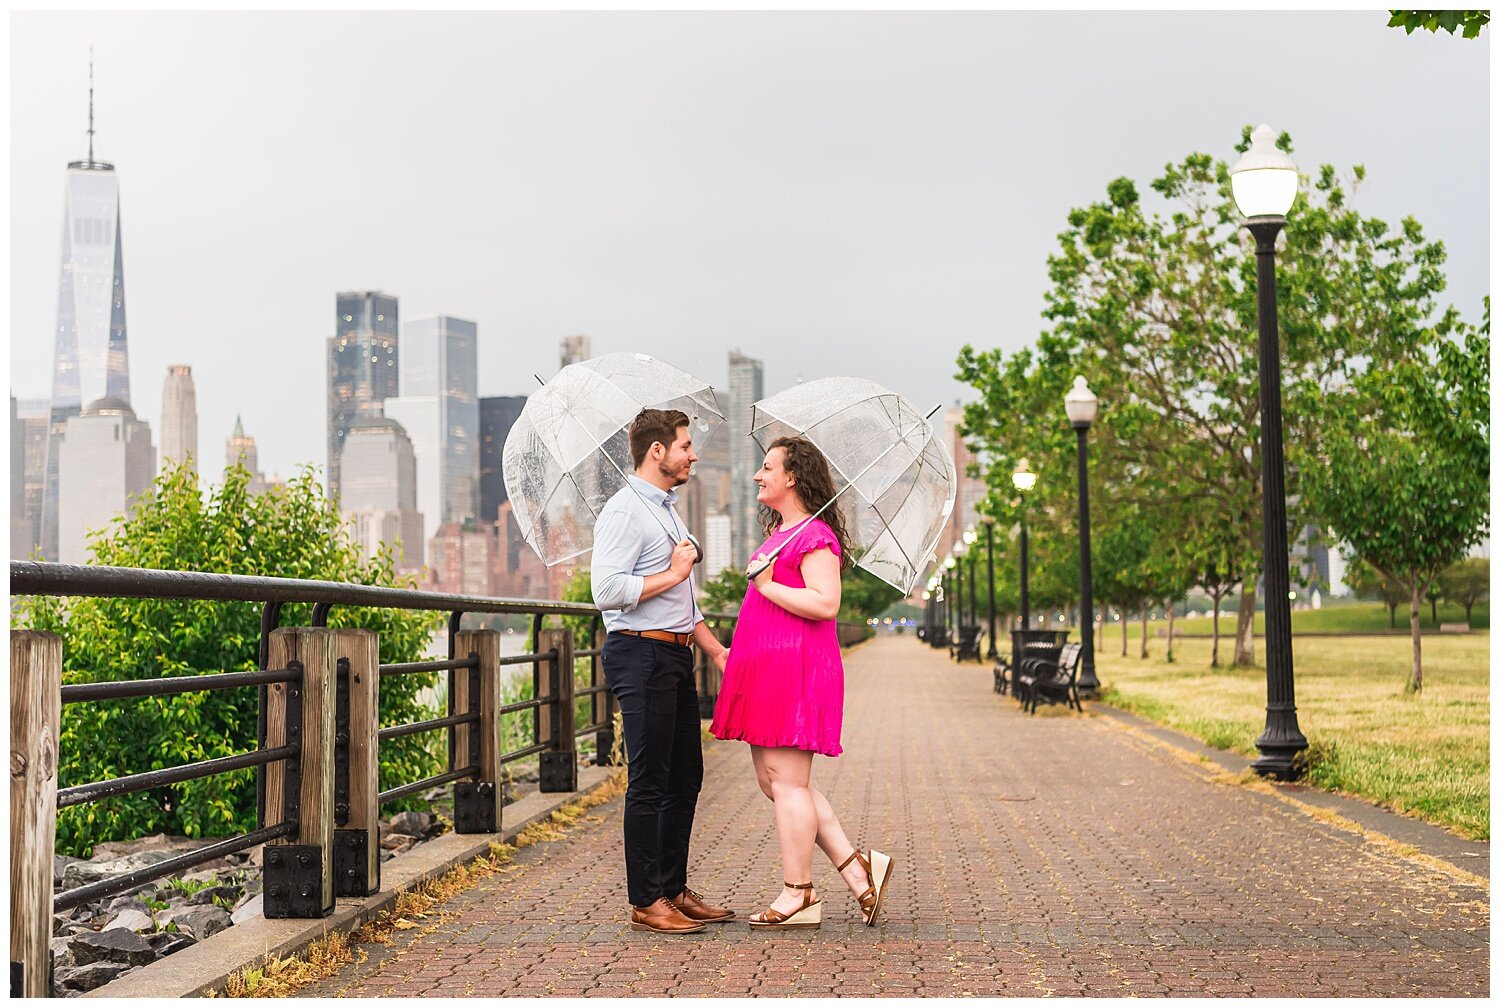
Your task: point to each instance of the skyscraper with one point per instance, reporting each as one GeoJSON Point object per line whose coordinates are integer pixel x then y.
{"type": "Point", "coordinates": [362, 367]}
{"type": "Point", "coordinates": [379, 499]}
{"type": "Point", "coordinates": [179, 417]}
{"type": "Point", "coordinates": [439, 407]}
{"type": "Point", "coordinates": [89, 360]}
{"type": "Point", "coordinates": [20, 534]}
{"type": "Point", "coordinates": [497, 415]}
{"type": "Point", "coordinates": [33, 418]}
{"type": "Point", "coordinates": [240, 450]}
{"type": "Point", "coordinates": [573, 349]}
{"type": "Point", "coordinates": [747, 385]}
{"type": "Point", "coordinates": [106, 459]}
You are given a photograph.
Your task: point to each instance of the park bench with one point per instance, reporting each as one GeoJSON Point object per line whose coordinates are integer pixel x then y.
{"type": "Point", "coordinates": [1025, 645]}
{"type": "Point", "coordinates": [968, 642]}
{"type": "Point", "coordinates": [1042, 679]}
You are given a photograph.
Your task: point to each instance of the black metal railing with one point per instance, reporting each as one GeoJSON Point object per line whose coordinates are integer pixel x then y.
{"type": "Point", "coordinates": [273, 594]}
{"type": "Point", "coordinates": [554, 713]}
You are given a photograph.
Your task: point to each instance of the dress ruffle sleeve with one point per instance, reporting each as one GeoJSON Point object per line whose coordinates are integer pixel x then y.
{"type": "Point", "coordinates": [817, 535]}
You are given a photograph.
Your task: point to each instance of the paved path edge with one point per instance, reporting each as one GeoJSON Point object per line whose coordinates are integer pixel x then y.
{"type": "Point", "coordinates": [1469, 856]}
{"type": "Point", "coordinates": [208, 965]}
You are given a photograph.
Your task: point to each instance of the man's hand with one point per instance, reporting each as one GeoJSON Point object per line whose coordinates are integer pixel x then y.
{"type": "Point", "coordinates": [684, 555]}
{"type": "Point", "coordinates": [722, 660]}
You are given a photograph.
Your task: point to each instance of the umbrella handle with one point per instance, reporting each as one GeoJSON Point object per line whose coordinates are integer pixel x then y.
{"type": "Point", "coordinates": [755, 572]}
{"type": "Point", "coordinates": [696, 545]}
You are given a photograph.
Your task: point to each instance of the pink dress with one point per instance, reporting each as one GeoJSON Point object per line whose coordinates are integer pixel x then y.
{"type": "Point", "coordinates": [784, 684]}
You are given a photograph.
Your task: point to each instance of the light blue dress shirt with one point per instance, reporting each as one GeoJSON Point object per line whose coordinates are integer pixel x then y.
{"type": "Point", "coordinates": [631, 540]}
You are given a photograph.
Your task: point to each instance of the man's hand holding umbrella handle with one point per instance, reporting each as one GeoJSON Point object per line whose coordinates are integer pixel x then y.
{"type": "Point", "coordinates": [684, 555]}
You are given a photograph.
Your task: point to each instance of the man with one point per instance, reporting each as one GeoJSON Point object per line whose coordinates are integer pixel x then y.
{"type": "Point", "coordinates": [643, 559]}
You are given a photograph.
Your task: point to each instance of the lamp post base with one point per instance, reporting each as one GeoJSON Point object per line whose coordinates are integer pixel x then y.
{"type": "Point", "coordinates": [1279, 745]}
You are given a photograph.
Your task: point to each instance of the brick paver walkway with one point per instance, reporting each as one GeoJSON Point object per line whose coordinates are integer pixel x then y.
{"type": "Point", "coordinates": [1056, 854]}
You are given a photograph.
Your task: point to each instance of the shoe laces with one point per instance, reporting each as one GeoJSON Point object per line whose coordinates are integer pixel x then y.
{"type": "Point", "coordinates": [692, 894]}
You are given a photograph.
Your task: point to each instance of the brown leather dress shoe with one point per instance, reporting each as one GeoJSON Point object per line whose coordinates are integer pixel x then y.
{"type": "Point", "coordinates": [662, 917]}
{"type": "Point", "coordinates": [691, 904]}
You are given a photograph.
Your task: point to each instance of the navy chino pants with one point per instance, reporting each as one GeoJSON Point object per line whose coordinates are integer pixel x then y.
{"type": "Point", "coordinates": [653, 683]}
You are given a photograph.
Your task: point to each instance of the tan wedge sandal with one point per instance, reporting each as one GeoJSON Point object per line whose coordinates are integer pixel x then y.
{"type": "Point", "coordinates": [878, 870]}
{"type": "Point", "coordinates": [809, 915]}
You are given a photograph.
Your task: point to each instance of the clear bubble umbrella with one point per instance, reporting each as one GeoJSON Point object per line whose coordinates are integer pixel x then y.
{"type": "Point", "coordinates": [569, 451]}
{"type": "Point", "coordinates": [894, 476]}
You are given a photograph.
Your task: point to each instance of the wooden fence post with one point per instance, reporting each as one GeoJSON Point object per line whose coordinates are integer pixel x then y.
{"type": "Point", "coordinates": [558, 769]}
{"type": "Point", "coordinates": [357, 723]}
{"type": "Point", "coordinates": [476, 803]}
{"type": "Point", "coordinates": [298, 872]}
{"type": "Point", "coordinates": [35, 713]}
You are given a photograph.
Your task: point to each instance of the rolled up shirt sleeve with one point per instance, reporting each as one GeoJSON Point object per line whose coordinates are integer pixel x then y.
{"type": "Point", "coordinates": [617, 546]}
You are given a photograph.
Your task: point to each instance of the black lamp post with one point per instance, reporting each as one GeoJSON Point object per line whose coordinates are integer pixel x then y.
{"type": "Point", "coordinates": [935, 600]}
{"type": "Point", "coordinates": [973, 557]}
{"type": "Point", "coordinates": [1023, 479]}
{"type": "Point", "coordinates": [989, 553]}
{"type": "Point", "coordinates": [952, 600]}
{"type": "Point", "coordinates": [1264, 182]}
{"type": "Point", "coordinates": [1083, 406]}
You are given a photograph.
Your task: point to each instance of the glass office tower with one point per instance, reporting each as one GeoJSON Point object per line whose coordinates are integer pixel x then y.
{"type": "Point", "coordinates": [362, 367]}
{"type": "Point", "coordinates": [89, 359]}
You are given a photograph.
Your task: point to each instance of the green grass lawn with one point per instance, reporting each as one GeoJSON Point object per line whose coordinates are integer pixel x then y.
{"type": "Point", "coordinates": [1353, 617]}
{"type": "Point", "coordinates": [1425, 755]}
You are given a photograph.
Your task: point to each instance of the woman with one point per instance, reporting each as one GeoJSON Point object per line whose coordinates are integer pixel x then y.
{"type": "Point", "coordinates": [783, 689]}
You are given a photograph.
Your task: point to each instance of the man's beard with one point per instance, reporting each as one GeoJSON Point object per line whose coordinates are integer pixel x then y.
{"type": "Point", "coordinates": [677, 480]}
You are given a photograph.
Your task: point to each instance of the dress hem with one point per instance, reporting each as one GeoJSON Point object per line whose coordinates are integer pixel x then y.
{"type": "Point", "coordinates": [768, 742]}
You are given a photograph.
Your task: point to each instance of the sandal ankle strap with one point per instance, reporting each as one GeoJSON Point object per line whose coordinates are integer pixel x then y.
{"type": "Point", "coordinates": [798, 885]}
{"type": "Point", "coordinates": [854, 856]}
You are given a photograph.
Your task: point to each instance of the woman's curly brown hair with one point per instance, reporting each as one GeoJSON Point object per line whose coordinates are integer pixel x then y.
{"type": "Point", "coordinates": [814, 487]}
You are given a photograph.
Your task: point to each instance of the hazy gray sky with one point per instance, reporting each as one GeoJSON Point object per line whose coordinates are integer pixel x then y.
{"type": "Point", "coordinates": [833, 193]}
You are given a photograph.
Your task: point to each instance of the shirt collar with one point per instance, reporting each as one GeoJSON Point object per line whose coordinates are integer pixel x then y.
{"type": "Point", "coordinates": [654, 494]}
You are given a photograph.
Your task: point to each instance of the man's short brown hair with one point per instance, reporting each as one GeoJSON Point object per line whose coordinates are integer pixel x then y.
{"type": "Point", "coordinates": [651, 426]}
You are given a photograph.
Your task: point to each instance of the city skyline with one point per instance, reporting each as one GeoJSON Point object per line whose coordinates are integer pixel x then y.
{"type": "Point", "coordinates": [827, 217]}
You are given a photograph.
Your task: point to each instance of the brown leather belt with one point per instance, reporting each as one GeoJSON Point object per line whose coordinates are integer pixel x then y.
{"type": "Point", "coordinates": [684, 639]}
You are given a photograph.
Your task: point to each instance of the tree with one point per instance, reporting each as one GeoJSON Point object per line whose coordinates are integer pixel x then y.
{"type": "Point", "coordinates": [285, 532]}
{"type": "Point", "coordinates": [863, 595]}
{"type": "Point", "coordinates": [1432, 595]}
{"type": "Point", "coordinates": [1472, 21]}
{"type": "Point", "coordinates": [1466, 582]}
{"type": "Point", "coordinates": [723, 592]}
{"type": "Point", "coordinates": [1368, 583]}
{"type": "Point", "coordinates": [1153, 299]}
{"type": "Point", "coordinates": [1406, 476]}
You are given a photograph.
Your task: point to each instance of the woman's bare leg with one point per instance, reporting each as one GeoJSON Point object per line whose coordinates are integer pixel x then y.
{"type": "Point", "coordinates": [830, 837]}
{"type": "Point", "coordinates": [785, 772]}
{"type": "Point", "coordinates": [836, 845]}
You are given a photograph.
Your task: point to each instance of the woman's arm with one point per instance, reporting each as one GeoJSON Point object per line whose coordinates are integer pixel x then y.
{"type": "Point", "coordinates": [820, 599]}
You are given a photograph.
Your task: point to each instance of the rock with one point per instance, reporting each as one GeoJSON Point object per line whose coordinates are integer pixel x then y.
{"type": "Point", "coordinates": [89, 976]}
{"type": "Point", "coordinates": [251, 907]}
{"type": "Point", "coordinates": [203, 875]}
{"type": "Point", "coordinates": [398, 843]}
{"type": "Point", "coordinates": [111, 849]}
{"type": "Point", "coordinates": [205, 897]}
{"type": "Point", "coordinates": [120, 904]}
{"type": "Point", "coordinates": [386, 855]}
{"type": "Point", "coordinates": [415, 824]}
{"type": "Point", "coordinates": [132, 920]}
{"type": "Point", "coordinates": [84, 872]}
{"type": "Point", "coordinates": [167, 942]}
{"type": "Point", "coordinates": [62, 954]}
{"type": "Point", "coordinates": [201, 922]}
{"type": "Point", "coordinates": [115, 945]}
{"type": "Point", "coordinates": [60, 864]}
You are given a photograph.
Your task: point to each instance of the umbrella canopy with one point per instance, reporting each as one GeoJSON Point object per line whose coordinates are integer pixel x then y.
{"type": "Point", "coordinates": [569, 451]}
{"type": "Point", "coordinates": [902, 473]}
